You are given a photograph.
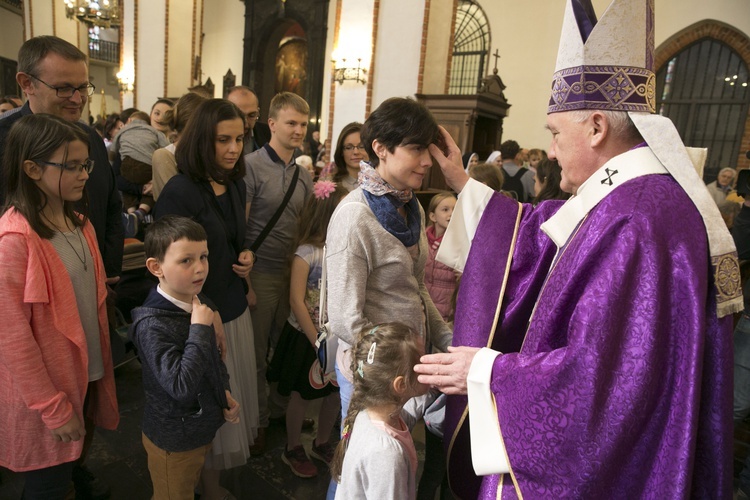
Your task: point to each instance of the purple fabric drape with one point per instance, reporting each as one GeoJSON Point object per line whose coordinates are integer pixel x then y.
{"type": "Point", "coordinates": [623, 385]}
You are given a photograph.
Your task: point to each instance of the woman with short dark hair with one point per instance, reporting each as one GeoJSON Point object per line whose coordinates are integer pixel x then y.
{"type": "Point", "coordinates": [376, 243]}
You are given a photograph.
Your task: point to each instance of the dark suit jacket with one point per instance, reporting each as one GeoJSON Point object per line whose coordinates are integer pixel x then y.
{"type": "Point", "coordinates": [261, 135]}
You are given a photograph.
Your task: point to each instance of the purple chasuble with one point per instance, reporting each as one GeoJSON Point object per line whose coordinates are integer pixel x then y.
{"type": "Point", "coordinates": [622, 385]}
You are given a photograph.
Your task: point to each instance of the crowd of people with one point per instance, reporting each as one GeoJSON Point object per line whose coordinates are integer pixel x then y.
{"type": "Point", "coordinates": [580, 337]}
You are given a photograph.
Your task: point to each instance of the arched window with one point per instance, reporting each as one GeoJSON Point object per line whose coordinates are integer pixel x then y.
{"type": "Point", "coordinates": [705, 90]}
{"type": "Point", "coordinates": [470, 48]}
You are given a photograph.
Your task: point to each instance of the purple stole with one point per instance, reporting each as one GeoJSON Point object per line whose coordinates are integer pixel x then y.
{"type": "Point", "coordinates": [479, 320]}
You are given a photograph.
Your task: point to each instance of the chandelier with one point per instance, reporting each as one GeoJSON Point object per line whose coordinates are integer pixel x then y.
{"type": "Point", "coordinates": [104, 13]}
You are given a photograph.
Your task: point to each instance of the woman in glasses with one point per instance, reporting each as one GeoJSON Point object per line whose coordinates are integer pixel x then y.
{"type": "Point", "coordinates": [349, 152]}
{"type": "Point", "coordinates": [55, 359]}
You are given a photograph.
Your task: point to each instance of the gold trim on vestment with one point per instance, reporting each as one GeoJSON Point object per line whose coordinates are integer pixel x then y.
{"type": "Point", "coordinates": [489, 344]}
{"type": "Point", "coordinates": [726, 271]}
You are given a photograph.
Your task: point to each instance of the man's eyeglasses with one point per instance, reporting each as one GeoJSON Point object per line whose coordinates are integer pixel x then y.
{"type": "Point", "coordinates": [352, 147]}
{"type": "Point", "coordinates": [87, 165]}
{"type": "Point", "coordinates": [67, 91]}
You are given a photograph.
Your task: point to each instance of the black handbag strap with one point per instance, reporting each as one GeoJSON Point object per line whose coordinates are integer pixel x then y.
{"type": "Point", "coordinates": [272, 222]}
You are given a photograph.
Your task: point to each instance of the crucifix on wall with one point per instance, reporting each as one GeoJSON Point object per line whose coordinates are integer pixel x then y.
{"type": "Point", "coordinates": [496, 55]}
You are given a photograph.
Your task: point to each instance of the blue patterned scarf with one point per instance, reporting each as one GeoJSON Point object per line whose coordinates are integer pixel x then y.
{"type": "Point", "coordinates": [385, 200]}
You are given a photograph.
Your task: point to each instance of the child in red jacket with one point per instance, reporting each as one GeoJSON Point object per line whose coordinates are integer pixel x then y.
{"type": "Point", "coordinates": [440, 279]}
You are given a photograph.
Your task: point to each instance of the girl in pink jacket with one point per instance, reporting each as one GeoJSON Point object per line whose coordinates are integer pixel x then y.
{"type": "Point", "coordinates": [55, 361]}
{"type": "Point", "coordinates": [440, 279]}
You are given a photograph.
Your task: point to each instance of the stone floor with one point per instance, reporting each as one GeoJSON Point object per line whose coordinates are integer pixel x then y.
{"type": "Point", "coordinates": [118, 458]}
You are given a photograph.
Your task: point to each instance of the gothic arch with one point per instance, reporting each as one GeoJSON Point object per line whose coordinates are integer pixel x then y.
{"type": "Point", "coordinates": [717, 30]}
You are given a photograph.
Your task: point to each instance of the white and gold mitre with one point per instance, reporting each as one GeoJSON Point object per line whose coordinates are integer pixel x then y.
{"type": "Point", "coordinates": [606, 64]}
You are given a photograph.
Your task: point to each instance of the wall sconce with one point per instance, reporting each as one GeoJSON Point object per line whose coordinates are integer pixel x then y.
{"type": "Point", "coordinates": [342, 72]}
{"type": "Point", "coordinates": [125, 82]}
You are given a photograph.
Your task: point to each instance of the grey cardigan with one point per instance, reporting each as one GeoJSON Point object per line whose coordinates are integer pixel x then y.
{"type": "Point", "coordinates": [373, 278]}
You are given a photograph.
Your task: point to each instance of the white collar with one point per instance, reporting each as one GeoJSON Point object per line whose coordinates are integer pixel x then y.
{"type": "Point", "coordinates": [182, 305]}
{"type": "Point", "coordinates": [617, 171]}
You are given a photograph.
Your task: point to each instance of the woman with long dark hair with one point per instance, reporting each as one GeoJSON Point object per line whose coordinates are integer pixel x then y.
{"type": "Point", "coordinates": [349, 152]}
{"type": "Point", "coordinates": [210, 189]}
{"type": "Point", "coordinates": [547, 182]}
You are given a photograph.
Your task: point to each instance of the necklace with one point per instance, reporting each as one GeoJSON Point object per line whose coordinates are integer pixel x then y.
{"type": "Point", "coordinates": [78, 233]}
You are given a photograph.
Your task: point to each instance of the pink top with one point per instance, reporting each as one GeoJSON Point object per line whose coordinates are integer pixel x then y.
{"type": "Point", "coordinates": [43, 355]}
{"type": "Point", "coordinates": [403, 436]}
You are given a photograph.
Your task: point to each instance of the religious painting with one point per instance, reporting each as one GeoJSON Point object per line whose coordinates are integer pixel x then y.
{"type": "Point", "coordinates": [291, 66]}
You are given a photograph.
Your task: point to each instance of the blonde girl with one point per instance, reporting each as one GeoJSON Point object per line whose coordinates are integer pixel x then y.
{"type": "Point", "coordinates": [376, 457]}
{"type": "Point", "coordinates": [295, 365]}
{"type": "Point", "coordinates": [439, 279]}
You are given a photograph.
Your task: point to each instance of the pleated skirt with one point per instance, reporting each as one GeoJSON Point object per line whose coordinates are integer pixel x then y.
{"type": "Point", "coordinates": [231, 446]}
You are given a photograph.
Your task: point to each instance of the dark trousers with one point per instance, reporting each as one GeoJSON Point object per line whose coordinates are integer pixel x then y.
{"type": "Point", "coordinates": [434, 474]}
{"type": "Point", "coordinates": [51, 483]}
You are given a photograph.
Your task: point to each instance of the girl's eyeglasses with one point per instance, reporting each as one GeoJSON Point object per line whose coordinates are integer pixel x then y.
{"type": "Point", "coordinates": [87, 165]}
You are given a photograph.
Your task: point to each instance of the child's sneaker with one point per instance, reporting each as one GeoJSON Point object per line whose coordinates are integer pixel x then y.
{"type": "Point", "coordinates": [324, 452]}
{"type": "Point", "coordinates": [297, 460]}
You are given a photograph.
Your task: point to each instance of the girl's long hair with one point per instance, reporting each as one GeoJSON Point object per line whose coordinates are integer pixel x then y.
{"type": "Point", "coordinates": [488, 174]}
{"type": "Point", "coordinates": [550, 175]}
{"type": "Point", "coordinates": [396, 352]}
{"type": "Point", "coordinates": [315, 216]}
{"type": "Point", "coordinates": [36, 137]}
{"type": "Point", "coordinates": [435, 201]}
{"type": "Point", "coordinates": [312, 224]}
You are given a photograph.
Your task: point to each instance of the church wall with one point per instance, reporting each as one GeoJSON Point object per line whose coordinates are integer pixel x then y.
{"type": "Point", "coordinates": [179, 47]}
{"type": "Point", "coordinates": [150, 63]}
{"type": "Point", "coordinates": [40, 16]}
{"type": "Point", "coordinates": [355, 40]}
{"type": "Point", "coordinates": [127, 51]}
{"type": "Point", "coordinates": [526, 35]}
{"type": "Point", "coordinates": [396, 69]}
{"type": "Point", "coordinates": [224, 29]}
{"type": "Point", "coordinates": [102, 77]}
{"type": "Point", "coordinates": [11, 34]}
{"type": "Point", "coordinates": [438, 46]}
{"type": "Point", "coordinates": [673, 16]}
{"type": "Point", "coordinates": [325, 109]}
{"type": "Point", "coordinates": [68, 29]}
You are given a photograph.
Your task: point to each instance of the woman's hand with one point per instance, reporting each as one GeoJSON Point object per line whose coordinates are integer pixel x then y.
{"type": "Point", "coordinates": [72, 430]}
{"type": "Point", "coordinates": [245, 261]}
{"type": "Point", "coordinates": [252, 299]}
{"type": "Point", "coordinates": [450, 162]}
{"type": "Point", "coordinates": [232, 414]}
{"type": "Point", "coordinates": [447, 371]}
